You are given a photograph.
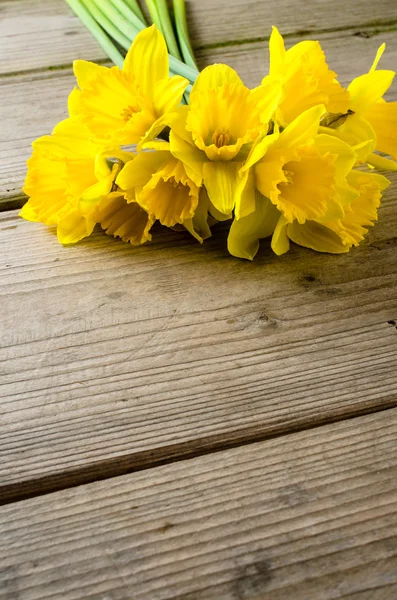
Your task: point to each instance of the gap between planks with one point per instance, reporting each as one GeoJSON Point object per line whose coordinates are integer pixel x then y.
{"type": "Point", "coordinates": [126, 363]}
{"type": "Point", "coordinates": [116, 467]}
{"type": "Point", "coordinates": [40, 35]}
{"type": "Point", "coordinates": [309, 515]}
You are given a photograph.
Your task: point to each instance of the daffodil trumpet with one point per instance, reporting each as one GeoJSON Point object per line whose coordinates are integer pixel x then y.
{"type": "Point", "coordinates": [292, 160]}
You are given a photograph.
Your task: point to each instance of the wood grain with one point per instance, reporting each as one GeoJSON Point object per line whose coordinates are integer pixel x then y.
{"type": "Point", "coordinates": [31, 104]}
{"type": "Point", "coordinates": [36, 35]}
{"type": "Point", "coordinates": [113, 358]}
{"type": "Point", "coordinates": [306, 516]}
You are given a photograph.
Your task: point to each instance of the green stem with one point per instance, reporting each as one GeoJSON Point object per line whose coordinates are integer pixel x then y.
{"type": "Point", "coordinates": [94, 8]}
{"type": "Point", "coordinates": [97, 32]}
{"type": "Point", "coordinates": [163, 12]}
{"type": "Point", "coordinates": [179, 67]}
{"type": "Point", "coordinates": [154, 14]}
{"type": "Point", "coordinates": [102, 28]}
{"type": "Point", "coordinates": [183, 33]}
{"type": "Point", "coordinates": [123, 17]}
{"type": "Point", "coordinates": [135, 8]}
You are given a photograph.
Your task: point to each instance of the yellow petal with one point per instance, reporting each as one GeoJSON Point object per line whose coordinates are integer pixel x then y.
{"type": "Point", "coordinates": [280, 241]}
{"type": "Point", "coordinates": [258, 150]}
{"type": "Point", "coordinates": [45, 183]}
{"type": "Point", "coordinates": [74, 103]}
{"type": "Point", "coordinates": [92, 195]}
{"type": "Point", "coordinates": [198, 226]}
{"type": "Point", "coordinates": [220, 180]}
{"type": "Point", "coordinates": [114, 108]}
{"type": "Point", "coordinates": [307, 82]}
{"type": "Point", "coordinates": [378, 56]}
{"type": "Point", "coordinates": [267, 97]}
{"type": "Point", "coordinates": [73, 227]}
{"type": "Point", "coordinates": [29, 212]}
{"type": "Point", "coordinates": [147, 60]}
{"type": "Point", "coordinates": [245, 195]}
{"type": "Point", "coordinates": [358, 132]}
{"type": "Point", "coordinates": [170, 195]}
{"type": "Point", "coordinates": [190, 155]}
{"type": "Point", "coordinates": [105, 161]}
{"type": "Point", "coordinates": [269, 174]}
{"type": "Point", "coordinates": [245, 233]}
{"type": "Point", "coordinates": [138, 171]}
{"type": "Point", "coordinates": [70, 139]}
{"type": "Point", "coordinates": [129, 221]}
{"type": "Point", "coordinates": [317, 237]}
{"type": "Point", "coordinates": [221, 120]}
{"type": "Point", "coordinates": [345, 156]}
{"type": "Point", "coordinates": [155, 130]}
{"type": "Point", "coordinates": [309, 187]}
{"type": "Point", "coordinates": [368, 89]}
{"type": "Point", "coordinates": [277, 52]}
{"type": "Point", "coordinates": [382, 116]}
{"type": "Point", "coordinates": [379, 162]}
{"type": "Point", "coordinates": [85, 72]}
{"type": "Point", "coordinates": [302, 129]}
{"type": "Point", "coordinates": [214, 77]}
{"type": "Point", "coordinates": [340, 235]}
{"type": "Point", "coordinates": [168, 94]}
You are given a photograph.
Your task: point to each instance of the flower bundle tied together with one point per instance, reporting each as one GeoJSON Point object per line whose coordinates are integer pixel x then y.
{"type": "Point", "coordinates": [293, 158]}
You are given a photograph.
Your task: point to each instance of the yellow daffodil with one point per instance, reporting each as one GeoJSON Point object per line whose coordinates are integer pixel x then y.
{"type": "Point", "coordinates": [213, 135]}
{"type": "Point", "coordinates": [305, 78]}
{"type": "Point", "coordinates": [301, 173]}
{"type": "Point", "coordinates": [105, 203]}
{"type": "Point", "coordinates": [337, 235]}
{"type": "Point", "coordinates": [125, 106]}
{"type": "Point", "coordinates": [70, 182]}
{"type": "Point", "coordinates": [371, 122]}
{"type": "Point", "coordinates": [158, 182]}
{"type": "Point", "coordinates": [61, 167]}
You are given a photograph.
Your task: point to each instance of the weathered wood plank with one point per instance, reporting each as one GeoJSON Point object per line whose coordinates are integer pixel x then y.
{"type": "Point", "coordinates": [30, 105]}
{"type": "Point", "coordinates": [39, 35]}
{"type": "Point", "coordinates": [44, 34]}
{"type": "Point", "coordinates": [309, 515]}
{"type": "Point", "coordinates": [113, 358]}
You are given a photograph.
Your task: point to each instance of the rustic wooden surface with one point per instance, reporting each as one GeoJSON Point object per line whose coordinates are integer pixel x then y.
{"type": "Point", "coordinates": [311, 515]}
{"type": "Point", "coordinates": [114, 360]}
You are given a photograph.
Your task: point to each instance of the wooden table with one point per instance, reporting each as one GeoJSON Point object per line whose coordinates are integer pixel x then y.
{"type": "Point", "coordinates": [176, 423]}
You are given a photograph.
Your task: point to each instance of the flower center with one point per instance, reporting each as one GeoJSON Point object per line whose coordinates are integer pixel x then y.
{"type": "Point", "coordinates": [128, 112]}
{"type": "Point", "coordinates": [221, 138]}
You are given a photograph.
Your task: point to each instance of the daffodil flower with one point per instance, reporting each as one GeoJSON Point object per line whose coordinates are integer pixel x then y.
{"type": "Point", "coordinates": [370, 122]}
{"type": "Point", "coordinates": [70, 182]}
{"type": "Point", "coordinates": [128, 105]}
{"type": "Point", "coordinates": [301, 173]}
{"type": "Point", "coordinates": [158, 182]}
{"type": "Point", "coordinates": [305, 78]}
{"type": "Point", "coordinates": [337, 235]}
{"type": "Point", "coordinates": [61, 167]}
{"type": "Point", "coordinates": [213, 135]}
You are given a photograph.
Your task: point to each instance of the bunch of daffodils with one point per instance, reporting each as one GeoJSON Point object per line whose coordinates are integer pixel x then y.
{"type": "Point", "coordinates": [292, 159]}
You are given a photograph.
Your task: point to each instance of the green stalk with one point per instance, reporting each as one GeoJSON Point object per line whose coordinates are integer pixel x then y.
{"type": "Point", "coordinates": [124, 17]}
{"type": "Point", "coordinates": [169, 34]}
{"type": "Point", "coordinates": [127, 29]}
{"type": "Point", "coordinates": [102, 24]}
{"type": "Point", "coordinates": [133, 6]}
{"type": "Point", "coordinates": [183, 33]}
{"type": "Point", "coordinates": [106, 23]}
{"type": "Point", "coordinates": [154, 14]}
{"type": "Point", "coordinates": [96, 31]}
{"type": "Point", "coordinates": [178, 67]}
